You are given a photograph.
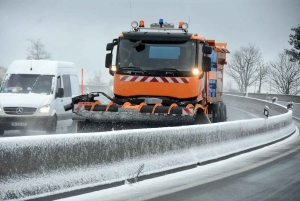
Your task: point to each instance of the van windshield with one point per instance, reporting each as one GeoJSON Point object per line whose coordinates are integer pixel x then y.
{"type": "Point", "coordinates": [25, 83]}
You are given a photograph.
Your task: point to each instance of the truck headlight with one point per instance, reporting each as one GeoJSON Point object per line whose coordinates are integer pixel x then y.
{"type": "Point", "coordinates": [0, 110]}
{"type": "Point", "coordinates": [45, 109]}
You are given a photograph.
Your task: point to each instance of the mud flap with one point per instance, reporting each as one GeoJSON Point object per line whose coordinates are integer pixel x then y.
{"type": "Point", "coordinates": [201, 118]}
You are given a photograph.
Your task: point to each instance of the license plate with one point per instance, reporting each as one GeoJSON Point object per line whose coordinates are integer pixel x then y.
{"type": "Point", "coordinates": [18, 124]}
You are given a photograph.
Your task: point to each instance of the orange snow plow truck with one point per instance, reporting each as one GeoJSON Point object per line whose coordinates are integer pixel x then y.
{"type": "Point", "coordinates": [163, 76]}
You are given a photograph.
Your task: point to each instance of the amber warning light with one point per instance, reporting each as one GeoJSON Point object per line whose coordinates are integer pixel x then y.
{"type": "Point", "coordinates": [180, 24]}
{"type": "Point", "coordinates": [142, 23]}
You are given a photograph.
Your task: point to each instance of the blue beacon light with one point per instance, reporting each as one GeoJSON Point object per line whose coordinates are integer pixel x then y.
{"type": "Point", "coordinates": [161, 21]}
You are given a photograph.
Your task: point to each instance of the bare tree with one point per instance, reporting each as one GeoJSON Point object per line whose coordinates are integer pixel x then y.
{"type": "Point", "coordinates": [36, 50]}
{"type": "Point", "coordinates": [262, 75]}
{"type": "Point", "coordinates": [2, 73]}
{"type": "Point", "coordinates": [96, 80]}
{"type": "Point", "coordinates": [243, 66]}
{"type": "Point", "coordinates": [285, 75]}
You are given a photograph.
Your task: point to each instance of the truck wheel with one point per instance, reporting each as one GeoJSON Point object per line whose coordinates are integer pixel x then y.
{"type": "Point", "coordinates": [222, 113]}
{"type": "Point", "coordinates": [1, 132]}
{"type": "Point", "coordinates": [225, 113]}
{"type": "Point", "coordinates": [52, 127]}
{"type": "Point", "coordinates": [216, 113]}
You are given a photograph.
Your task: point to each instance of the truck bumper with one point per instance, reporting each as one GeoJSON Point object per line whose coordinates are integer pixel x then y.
{"type": "Point", "coordinates": [25, 123]}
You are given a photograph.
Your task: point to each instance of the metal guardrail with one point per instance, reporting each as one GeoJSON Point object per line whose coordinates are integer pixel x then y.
{"type": "Point", "coordinates": [264, 96]}
{"type": "Point", "coordinates": [62, 162]}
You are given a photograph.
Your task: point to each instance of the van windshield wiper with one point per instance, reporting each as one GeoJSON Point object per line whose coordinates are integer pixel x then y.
{"type": "Point", "coordinates": [170, 70]}
{"type": "Point", "coordinates": [134, 68]}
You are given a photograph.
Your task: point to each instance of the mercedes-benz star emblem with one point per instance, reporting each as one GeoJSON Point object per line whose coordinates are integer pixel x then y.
{"type": "Point", "coordinates": [19, 110]}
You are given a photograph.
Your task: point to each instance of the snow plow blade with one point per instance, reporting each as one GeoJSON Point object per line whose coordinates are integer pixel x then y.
{"type": "Point", "coordinates": [107, 121]}
{"type": "Point", "coordinates": [93, 116]}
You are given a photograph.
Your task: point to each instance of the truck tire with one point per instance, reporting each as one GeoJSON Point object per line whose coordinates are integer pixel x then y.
{"type": "Point", "coordinates": [216, 113]}
{"type": "Point", "coordinates": [51, 129]}
{"type": "Point", "coordinates": [225, 113]}
{"type": "Point", "coordinates": [222, 113]}
{"type": "Point", "coordinates": [1, 132]}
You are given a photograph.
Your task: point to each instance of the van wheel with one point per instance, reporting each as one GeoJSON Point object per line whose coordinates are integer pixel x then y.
{"type": "Point", "coordinates": [1, 132]}
{"type": "Point", "coordinates": [52, 126]}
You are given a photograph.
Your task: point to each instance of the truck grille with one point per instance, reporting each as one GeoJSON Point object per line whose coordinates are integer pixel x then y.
{"type": "Point", "coordinates": [19, 110]}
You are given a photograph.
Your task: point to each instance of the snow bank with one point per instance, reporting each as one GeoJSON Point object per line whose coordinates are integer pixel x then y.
{"type": "Point", "coordinates": [40, 165]}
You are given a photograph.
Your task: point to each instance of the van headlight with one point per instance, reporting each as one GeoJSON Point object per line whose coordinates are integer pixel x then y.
{"type": "Point", "coordinates": [45, 109]}
{"type": "Point", "coordinates": [0, 110]}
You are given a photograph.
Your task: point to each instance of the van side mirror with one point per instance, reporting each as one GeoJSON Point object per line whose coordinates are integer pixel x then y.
{"type": "Point", "coordinates": [108, 60]}
{"type": "Point", "coordinates": [206, 64]}
{"type": "Point", "coordinates": [110, 46]}
{"type": "Point", "coordinates": [207, 49]}
{"type": "Point", "coordinates": [60, 93]}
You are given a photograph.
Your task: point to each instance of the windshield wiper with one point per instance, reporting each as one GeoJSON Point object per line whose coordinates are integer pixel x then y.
{"type": "Point", "coordinates": [170, 69]}
{"type": "Point", "coordinates": [134, 68]}
{"type": "Point", "coordinates": [137, 43]}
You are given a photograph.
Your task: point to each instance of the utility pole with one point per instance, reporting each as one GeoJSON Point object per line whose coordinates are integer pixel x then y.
{"type": "Point", "coordinates": [270, 87]}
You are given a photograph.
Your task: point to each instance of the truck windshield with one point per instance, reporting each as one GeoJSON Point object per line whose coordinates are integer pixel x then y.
{"type": "Point", "coordinates": [156, 55]}
{"type": "Point", "coordinates": [24, 83]}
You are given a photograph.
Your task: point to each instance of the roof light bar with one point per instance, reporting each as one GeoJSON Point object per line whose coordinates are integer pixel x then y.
{"type": "Point", "coordinates": [161, 25]}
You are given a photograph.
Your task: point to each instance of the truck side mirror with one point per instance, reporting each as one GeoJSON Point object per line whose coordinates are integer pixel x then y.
{"type": "Point", "coordinates": [60, 93]}
{"type": "Point", "coordinates": [110, 46]}
{"type": "Point", "coordinates": [108, 60]}
{"type": "Point", "coordinates": [206, 64]}
{"type": "Point", "coordinates": [207, 49]}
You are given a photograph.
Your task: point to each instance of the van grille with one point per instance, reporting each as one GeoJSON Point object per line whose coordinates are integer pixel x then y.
{"type": "Point", "coordinates": [19, 110]}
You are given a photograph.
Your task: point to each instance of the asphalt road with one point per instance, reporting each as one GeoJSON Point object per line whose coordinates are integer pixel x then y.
{"type": "Point", "coordinates": [278, 180]}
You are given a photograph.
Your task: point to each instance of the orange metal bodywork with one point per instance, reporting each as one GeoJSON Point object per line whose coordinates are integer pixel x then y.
{"type": "Point", "coordinates": [128, 105]}
{"type": "Point", "coordinates": [175, 90]}
{"type": "Point", "coordinates": [193, 89]}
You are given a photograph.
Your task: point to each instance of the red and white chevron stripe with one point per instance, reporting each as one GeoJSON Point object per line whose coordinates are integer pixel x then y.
{"type": "Point", "coordinates": [131, 78]}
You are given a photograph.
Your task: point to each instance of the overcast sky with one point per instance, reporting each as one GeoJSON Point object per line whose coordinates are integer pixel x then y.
{"type": "Point", "coordinates": [78, 30]}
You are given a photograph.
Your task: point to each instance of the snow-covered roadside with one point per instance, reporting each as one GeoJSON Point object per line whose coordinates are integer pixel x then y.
{"type": "Point", "coordinates": [171, 183]}
{"type": "Point", "coordinates": [64, 162]}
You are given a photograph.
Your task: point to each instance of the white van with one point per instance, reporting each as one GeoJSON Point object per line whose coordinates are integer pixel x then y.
{"type": "Point", "coordinates": [33, 94]}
